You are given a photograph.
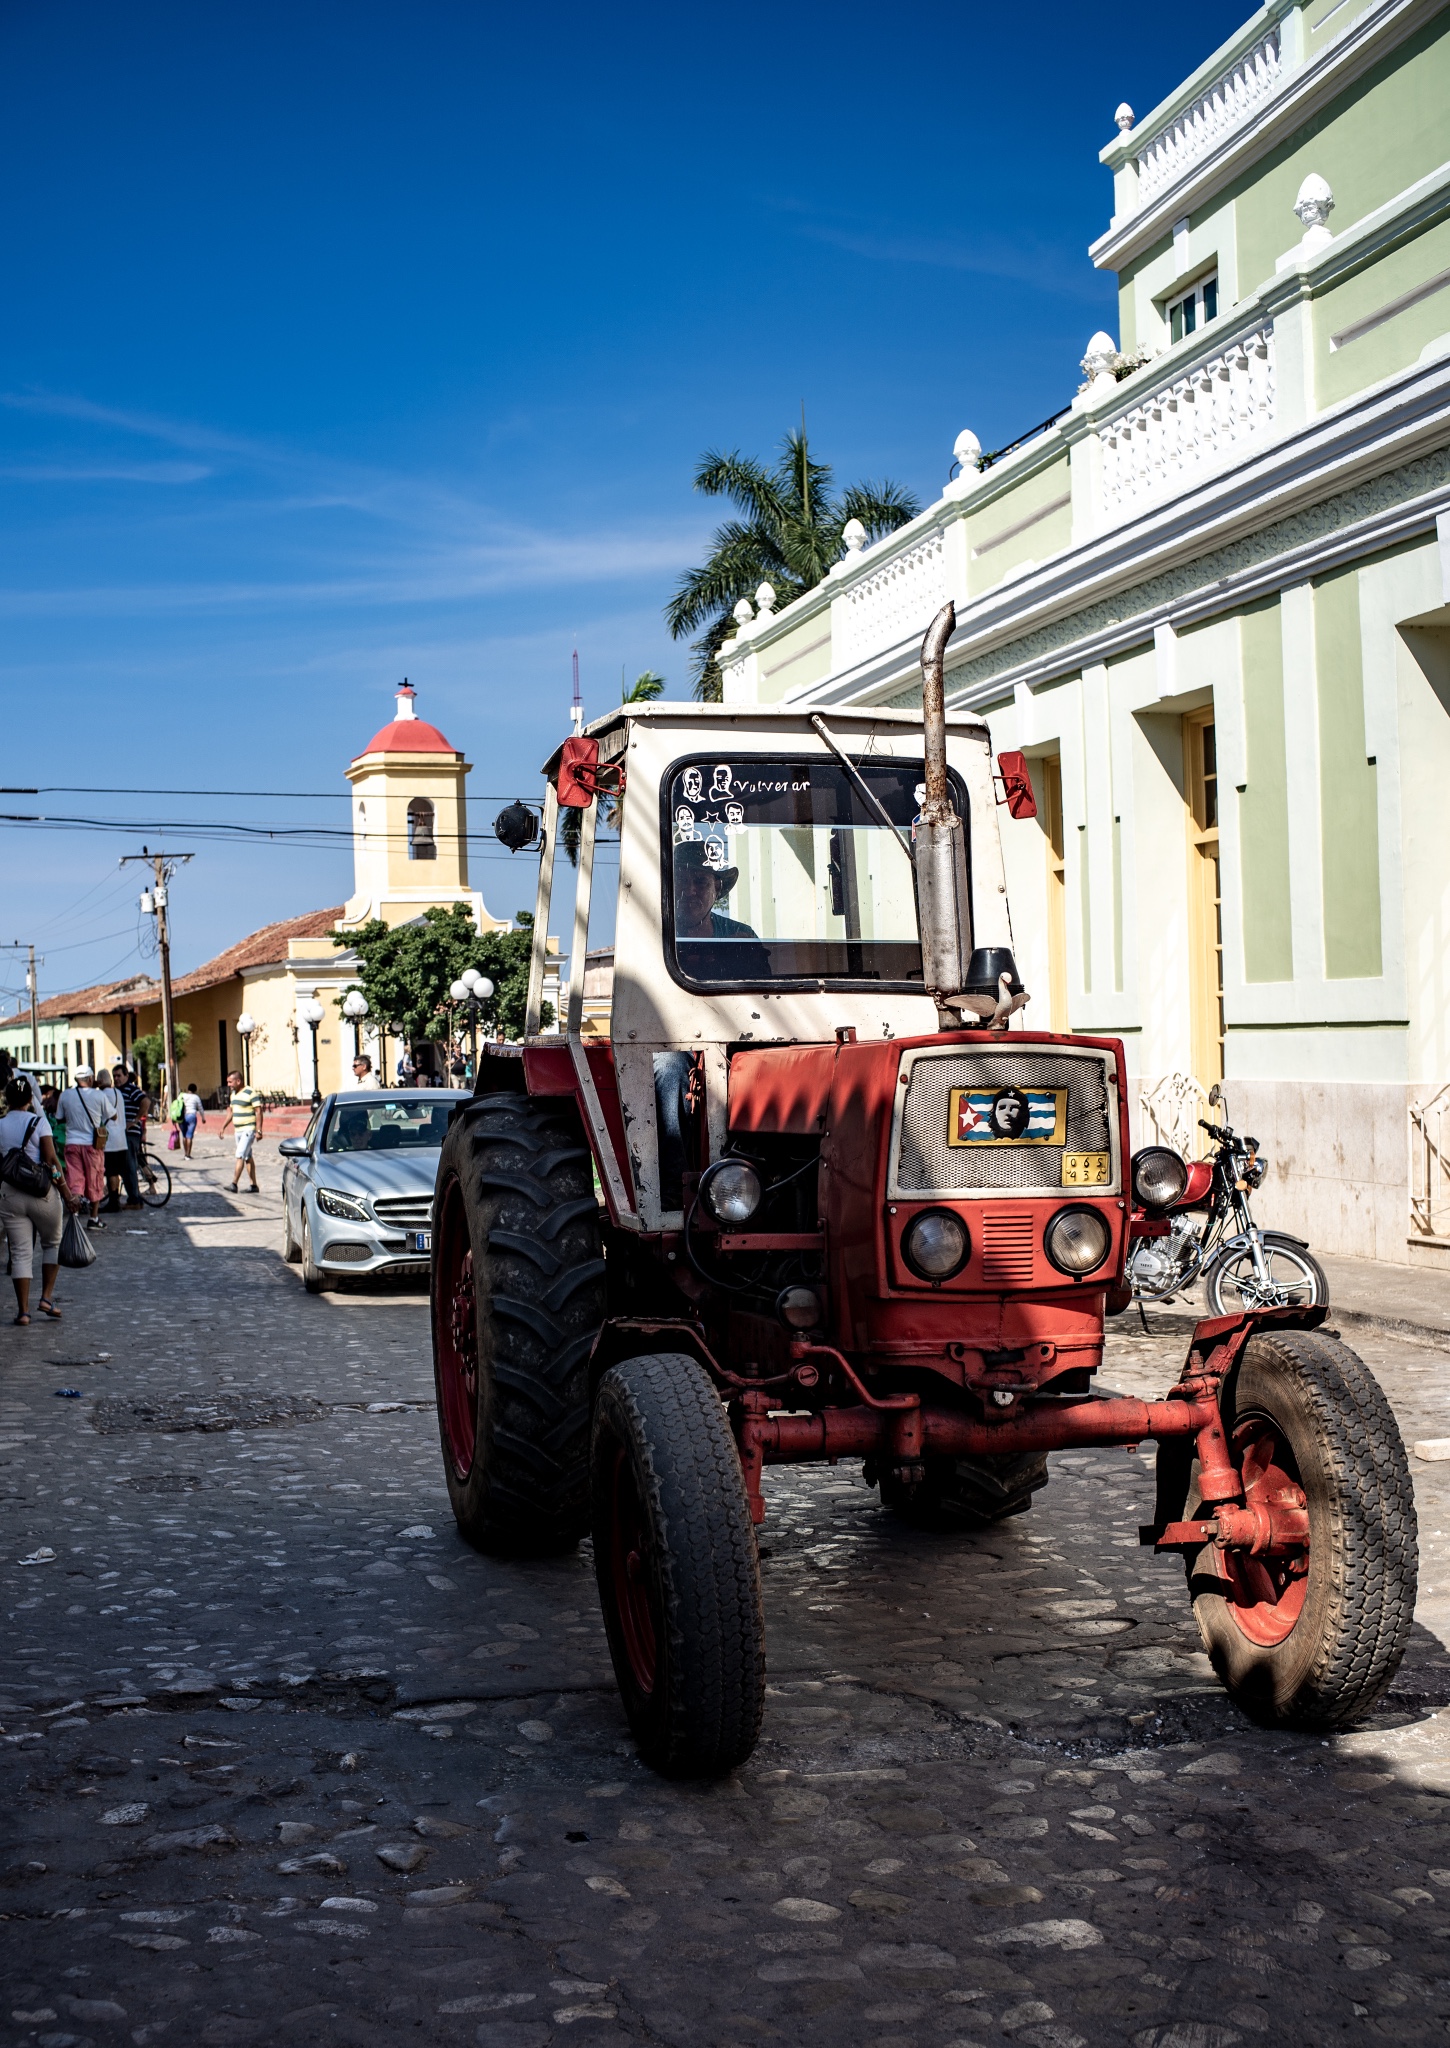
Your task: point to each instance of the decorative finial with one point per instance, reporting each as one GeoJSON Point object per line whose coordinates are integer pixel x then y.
{"type": "Point", "coordinates": [853, 533]}
{"type": "Point", "coordinates": [744, 612]}
{"type": "Point", "coordinates": [406, 694]}
{"type": "Point", "coordinates": [1314, 206]}
{"type": "Point", "coordinates": [765, 599]}
{"type": "Point", "coordinates": [968, 450]}
{"type": "Point", "coordinates": [1100, 362]}
{"type": "Point", "coordinates": [1124, 118]}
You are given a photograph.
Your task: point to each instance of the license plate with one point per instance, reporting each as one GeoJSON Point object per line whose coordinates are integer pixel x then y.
{"type": "Point", "coordinates": [422, 1240]}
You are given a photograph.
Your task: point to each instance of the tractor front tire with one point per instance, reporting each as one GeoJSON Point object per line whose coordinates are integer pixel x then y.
{"type": "Point", "coordinates": [957, 1494]}
{"type": "Point", "coordinates": [1312, 1640]}
{"type": "Point", "coordinates": [516, 1297]}
{"type": "Point", "coordinates": [675, 1557]}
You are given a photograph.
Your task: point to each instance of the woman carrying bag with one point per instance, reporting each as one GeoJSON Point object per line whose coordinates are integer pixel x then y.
{"type": "Point", "coordinates": [33, 1199]}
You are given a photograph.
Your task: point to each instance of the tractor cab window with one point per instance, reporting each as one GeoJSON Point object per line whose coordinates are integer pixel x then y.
{"type": "Point", "coordinates": [781, 872]}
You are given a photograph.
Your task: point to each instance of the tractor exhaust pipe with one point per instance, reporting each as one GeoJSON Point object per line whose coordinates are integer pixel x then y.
{"type": "Point", "coordinates": [943, 905]}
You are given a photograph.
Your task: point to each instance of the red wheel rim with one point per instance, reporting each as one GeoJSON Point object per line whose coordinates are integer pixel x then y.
{"type": "Point", "coordinates": [455, 1331]}
{"type": "Point", "coordinates": [1268, 1593]}
{"type": "Point", "coordinates": [631, 1576]}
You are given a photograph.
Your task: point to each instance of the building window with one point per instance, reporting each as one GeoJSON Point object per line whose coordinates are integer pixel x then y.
{"type": "Point", "coordinates": [421, 843]}
{"type": "Point", "coordinates": [1194, 310]}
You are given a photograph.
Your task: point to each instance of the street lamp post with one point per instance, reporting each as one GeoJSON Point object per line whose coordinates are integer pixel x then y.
{"type": "Point", "coordinates": [355, 1006]}
{"type": "Point", "coordinates": [311, 1013]}
{"type": "Point", "coordinates": [246, 1025]}
{"type": "Point", "coordinates": [474, 990]}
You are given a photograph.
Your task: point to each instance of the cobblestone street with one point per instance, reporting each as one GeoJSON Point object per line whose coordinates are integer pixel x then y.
{"type": "Point", "coordinates": [285, 1761]}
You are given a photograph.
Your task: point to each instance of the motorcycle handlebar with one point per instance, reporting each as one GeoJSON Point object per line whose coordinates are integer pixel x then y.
{"type": "Point", "coordinates": [1222, 1133]}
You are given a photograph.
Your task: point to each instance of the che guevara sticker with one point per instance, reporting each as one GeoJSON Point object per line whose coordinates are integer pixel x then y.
{"type": "Point", "coordinates": [1007, 1116]}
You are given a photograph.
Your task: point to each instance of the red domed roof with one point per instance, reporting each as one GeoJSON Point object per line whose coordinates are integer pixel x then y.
{"type": "Point", "coordinates": [407, 733]}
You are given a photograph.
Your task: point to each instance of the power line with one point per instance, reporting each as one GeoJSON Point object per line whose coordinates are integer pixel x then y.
{"type": "Point", "coordinates": [234, 830]}
{"type": "Point", "coordinates": [101, 789]}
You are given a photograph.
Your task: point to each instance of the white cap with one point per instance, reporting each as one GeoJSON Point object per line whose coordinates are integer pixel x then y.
{"type": "Point", "coordinates": [89, 1072]}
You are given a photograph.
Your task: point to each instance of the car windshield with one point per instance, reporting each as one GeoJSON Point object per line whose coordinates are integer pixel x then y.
{"type": "Point", "coordinates": [389, 1124]}
{"type": "Point", "coordinates": [781, 872]}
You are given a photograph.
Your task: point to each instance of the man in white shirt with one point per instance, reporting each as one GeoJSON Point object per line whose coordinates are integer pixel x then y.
{"type": "Point", "coordinates": [120, 1165]}
{"type": "Point", "coordinates": [79, 1109]}
{"type": "Point", "coordinates": [362, 1072]}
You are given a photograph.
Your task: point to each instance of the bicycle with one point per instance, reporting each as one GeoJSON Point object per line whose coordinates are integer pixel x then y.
{"type": "Point", "coordinates": [155, 1181]}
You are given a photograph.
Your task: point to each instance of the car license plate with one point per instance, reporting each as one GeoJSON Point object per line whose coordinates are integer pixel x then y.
{"type": "Point", "coordinates": [422, 1240]}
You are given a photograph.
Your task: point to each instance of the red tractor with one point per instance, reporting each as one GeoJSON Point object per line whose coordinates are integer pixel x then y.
{"type": "Point", "coordinates": [815, 1193]}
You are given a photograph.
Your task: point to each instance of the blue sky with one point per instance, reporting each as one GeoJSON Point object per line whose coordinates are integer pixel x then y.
{"type": "Point", "coordinates": [346, 343]}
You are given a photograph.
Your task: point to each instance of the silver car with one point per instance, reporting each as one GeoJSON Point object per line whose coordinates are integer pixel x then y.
{"type": "Point", "coordinates": [357, 1189]}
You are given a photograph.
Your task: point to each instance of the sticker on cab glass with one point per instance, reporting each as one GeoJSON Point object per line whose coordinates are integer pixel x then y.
{"type": "Point", "coordinates": [1086, 1169]}
{"type": "Point", "coordinates": [1007, 1116]}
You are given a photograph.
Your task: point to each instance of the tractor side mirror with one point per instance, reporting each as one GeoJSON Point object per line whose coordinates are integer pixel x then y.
{"type": "Point", "coordinates": [1017, 791]}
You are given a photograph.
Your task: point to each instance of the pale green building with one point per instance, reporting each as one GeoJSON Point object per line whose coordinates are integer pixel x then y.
{"type": "Point", "coordinates": [1211, 603]}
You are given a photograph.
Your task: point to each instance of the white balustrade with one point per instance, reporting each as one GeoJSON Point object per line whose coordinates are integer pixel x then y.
{"type": "Point", "coordinates": [1190, 427]}
{"type": "Point", "coordinates": [1226, 103]}
{"type": "Point", "coordinates": [885, 605]}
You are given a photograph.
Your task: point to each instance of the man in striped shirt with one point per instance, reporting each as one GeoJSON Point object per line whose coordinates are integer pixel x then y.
{"type": "Point", "coordinates": [245, 1117]}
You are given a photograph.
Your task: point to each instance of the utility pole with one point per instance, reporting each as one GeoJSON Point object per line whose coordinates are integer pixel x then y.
{"type": "Point", "coordinates": [15, 946]}
{"type": "Point", "coordinates": [163, 866]}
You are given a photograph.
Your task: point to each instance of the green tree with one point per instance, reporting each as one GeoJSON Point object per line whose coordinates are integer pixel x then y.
{"type": "Point", "coordinates": [407, 970]}
{"type": "Point", "coordinates": [790, 536]}
{"type": "Point", "coordinates": [149, 1053]}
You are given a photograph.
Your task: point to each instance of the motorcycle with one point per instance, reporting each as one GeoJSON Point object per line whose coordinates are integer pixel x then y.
{"type": "Point", "coordinates": [1242, 1267]}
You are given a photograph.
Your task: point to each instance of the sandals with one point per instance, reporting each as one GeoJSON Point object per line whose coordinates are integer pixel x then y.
{"type": "Point", "coordinates": [48, 1308]}
{"type": "Point", "coordinates": [21, 1322]}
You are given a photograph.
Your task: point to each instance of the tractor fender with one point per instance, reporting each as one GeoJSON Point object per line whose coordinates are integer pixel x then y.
{"type": "Point", "coordinates": [624, 1337]}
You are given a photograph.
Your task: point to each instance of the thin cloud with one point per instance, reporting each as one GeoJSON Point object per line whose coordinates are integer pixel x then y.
{"type": "Point", "coordinates": [1059, 271]}
{"type": "Point", "coordinates": [106, 473]}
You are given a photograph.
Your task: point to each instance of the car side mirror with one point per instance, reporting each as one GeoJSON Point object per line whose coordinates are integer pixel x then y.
{"type": "Point", "coordinates": [294, 1148]}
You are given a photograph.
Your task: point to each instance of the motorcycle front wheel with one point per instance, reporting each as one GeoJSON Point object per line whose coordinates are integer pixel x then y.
{"type": "Point", "coordinates": [1293, 1278]}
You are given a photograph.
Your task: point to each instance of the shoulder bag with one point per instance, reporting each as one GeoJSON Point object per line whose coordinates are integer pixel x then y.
{"type": "Point", "coordinates": [27, 1176]}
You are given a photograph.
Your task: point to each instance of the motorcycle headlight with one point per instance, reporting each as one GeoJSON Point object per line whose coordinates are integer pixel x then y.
{"type": "Point", "coordinates": [1255, 1169]}
{"type": "Point", "coordinates": [333, 1202]}
{"type": "Point", "coordinates": [1159, 1177]}
{"type": "Point", "coordinates": [936, 1244]}
{"type": "Point", "coordinates": [798, 1307]}
{"type": "Point", "coordinates": [1076, 1240]}
{"type": "Point", "coordinates": [731, 1190]}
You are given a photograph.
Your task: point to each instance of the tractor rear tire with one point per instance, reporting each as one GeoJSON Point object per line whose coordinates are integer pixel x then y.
{"type": "Point", "coordinates": [1312, 1648]}
{"type": "Point", "coordinates": [965, 1493]}
{"type": "Point", "coordinates": [516, 1297]}
{"type": "Point", "coordinates": [675, 1557]}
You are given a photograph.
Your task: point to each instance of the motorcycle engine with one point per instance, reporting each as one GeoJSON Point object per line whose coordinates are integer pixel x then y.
{"type": "Point", "coordinates": [1161, 1266]}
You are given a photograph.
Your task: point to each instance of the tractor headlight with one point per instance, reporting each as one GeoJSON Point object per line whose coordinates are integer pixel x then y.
{"type": "Point", "coordinates": [936, 1244]}
{"type": "Point", "coordinates": [799, 1308]}
{"type": "Point", "coordinates": [1076, 1240]}
{"type": "Point", "coordinates": [731, 1190]}
{"type": "Point", "coordinates": [1159, 1177]}
{"type": "Point", "coordinates": [333, 1202]}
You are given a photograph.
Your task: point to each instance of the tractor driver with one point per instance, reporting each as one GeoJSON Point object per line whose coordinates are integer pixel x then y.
{"type": "Point", "coordinates": [701, 926]}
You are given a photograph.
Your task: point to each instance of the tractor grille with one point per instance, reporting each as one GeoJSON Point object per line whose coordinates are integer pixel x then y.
{"type": "Point", "coordinates": [404, 1212]}
{"type": "Point", "coordinates": [925, 1163]}
{"type": "Point", "coordinates": [1009, 1238]}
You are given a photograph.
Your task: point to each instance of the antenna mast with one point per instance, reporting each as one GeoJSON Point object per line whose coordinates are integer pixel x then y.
{"type": "Point", "coordinates": [576, 709]}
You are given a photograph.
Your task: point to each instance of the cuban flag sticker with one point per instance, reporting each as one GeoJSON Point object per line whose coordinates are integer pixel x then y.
{"type": "Point", "coordinates": [1007, 1116]}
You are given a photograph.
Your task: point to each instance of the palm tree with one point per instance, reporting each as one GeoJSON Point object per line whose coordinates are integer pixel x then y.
{"type": "Point", "coordinates": [790, 537]}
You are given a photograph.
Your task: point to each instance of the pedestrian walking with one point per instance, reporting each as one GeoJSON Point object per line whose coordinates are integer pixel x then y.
{"type": "Point", "coordinates": [362, 1072]}
{"type": "Point", "coordinates": [32, 1202]}
{"type": "Point", "coordinates": [85, 1143]}
{"type": "Point", "coordinates": [407, 1068]}
{"type": "Point", "coordinates": [192, 1114]}
{"type": "Point", "coordinates": [137, 1105]}
{"type": "Point", "coordinates": [244, 1116]}
{"type": "Point", "coordinates": [120, 1165]}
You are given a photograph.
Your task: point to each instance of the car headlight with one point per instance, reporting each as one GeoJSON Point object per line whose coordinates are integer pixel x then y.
{"type": "Point", "coordinates": [1159, 1177]}
{"type": "Point", "coordinates": [1076, 1240]}
{"type": "Point", "coordinates": [798, 1307]}
{"type": "Point", "coordinates": [936, 1244]}
{"type": "Point", "coordinates": [731, 1190]}
{"type": "Point", "coordinates": [333, 1202]}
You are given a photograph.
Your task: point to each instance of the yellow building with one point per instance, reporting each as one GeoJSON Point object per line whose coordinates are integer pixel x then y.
{"type": "Point", "coordinates": [410, 853]}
